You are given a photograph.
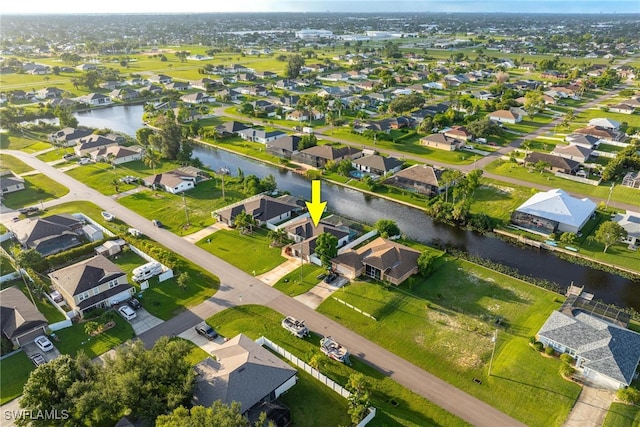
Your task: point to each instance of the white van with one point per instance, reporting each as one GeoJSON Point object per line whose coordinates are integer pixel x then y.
{"type": "Point", "coordinates": [147, 271]}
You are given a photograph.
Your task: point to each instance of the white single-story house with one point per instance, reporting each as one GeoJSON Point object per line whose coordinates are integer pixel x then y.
{"type": "Point", "coordinates": [630, 221]}
{"type": "Point", "coordinates": [504, 116]}
{"type": "Point", "coordinates": [605, 123]}
{"type": "Point", "coordinates": [553, 211]}
{"type": "Point", "coordinates": [606, 353]}
{"type": "Point", "coordinates": [10, 182]}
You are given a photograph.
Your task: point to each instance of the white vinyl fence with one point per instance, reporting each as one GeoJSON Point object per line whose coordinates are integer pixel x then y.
{"type": "Point", "coordinates": [263, 341]}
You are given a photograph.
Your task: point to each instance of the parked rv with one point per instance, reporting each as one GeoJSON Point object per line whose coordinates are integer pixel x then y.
{"type": "Point", "coordinates": [147, 271]}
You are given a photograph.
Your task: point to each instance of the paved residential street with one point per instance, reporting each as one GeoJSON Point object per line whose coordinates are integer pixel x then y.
{"type": "Point", "coordinates": [238, 287]}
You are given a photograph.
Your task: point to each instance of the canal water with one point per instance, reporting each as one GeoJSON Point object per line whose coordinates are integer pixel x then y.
{"type": "Point", "coordinates": [414, 223]}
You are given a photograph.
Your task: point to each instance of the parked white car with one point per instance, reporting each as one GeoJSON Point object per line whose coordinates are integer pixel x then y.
{"type": "Point", "coordinates": [43, 343]}
{"type": "Point", "coordinates": [127, 312]}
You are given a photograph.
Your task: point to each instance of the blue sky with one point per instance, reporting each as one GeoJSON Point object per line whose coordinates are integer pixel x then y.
{"type": "Point", "coordinates": [155, 6]}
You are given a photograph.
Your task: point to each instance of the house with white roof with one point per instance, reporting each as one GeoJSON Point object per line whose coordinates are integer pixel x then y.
{"type": "Point", "coordinates": [553, 211]}
{"type": "Point", "coordinates": [630, 221]}
{"type": "Point", "coordinates": [605, 123]}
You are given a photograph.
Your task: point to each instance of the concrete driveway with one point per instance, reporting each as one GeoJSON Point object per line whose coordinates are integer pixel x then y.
{"type": "Point", "coordinates": [591, 408]}
{"type": "Point", "coordinates": [321, 292]}
{"type": "Point", "coordinates": [31, 349]}
{"type": "Point", "coordinates": [144, 321]}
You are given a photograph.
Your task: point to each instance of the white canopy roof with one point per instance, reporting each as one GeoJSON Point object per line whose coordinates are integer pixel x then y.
{"type": "Point", "coordinates": [557, 205]}
{"type": "Point", "coordinates": [605, 123]}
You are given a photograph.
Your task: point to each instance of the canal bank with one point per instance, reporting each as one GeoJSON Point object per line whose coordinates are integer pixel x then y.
{"type": "Point", "coordinates": [369, 207]}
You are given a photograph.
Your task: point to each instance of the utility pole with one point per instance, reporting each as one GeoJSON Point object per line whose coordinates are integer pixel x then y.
{"type": "Point", "coordinates": [610, 192]}
{"type": "Point", "coordinates": [186, 211]}
{"type": "Point", "coordinates": [494, 340]}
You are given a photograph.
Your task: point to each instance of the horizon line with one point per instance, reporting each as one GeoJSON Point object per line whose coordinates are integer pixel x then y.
{"type": "Point", "coordinates": [321, 12]}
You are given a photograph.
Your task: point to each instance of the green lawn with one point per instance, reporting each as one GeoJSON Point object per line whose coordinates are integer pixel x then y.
{"type": "Point", "coordinates": [74, 339]}
{"type": "Point", "coordinates": [5, 265]}
{"type": "Point", "coordinates": [308, 401]}
{"type": "Point", "coordinates": [584, 117]}
{"type": "Point", "coordinates": [37, 188]}
{"type": "Point", "coordinates": [410, 145]}
{"type": "Point", "coordinates": [292, 285]}
{"type": "Point", "coordinates": [620, 193]}
{"type": "Point", "coordinates": [8, 161]}
{"type": "Point", "coordinates": [411, 409]}
{"type": "Point", "coordinates": [622, 415]}
{"type": "Point", "coordinates": [15, 141]}
{"type": "Point", "coordinates": [56, 154]}
{"type": "Point", "coordinates": [447, 322]}
{"type": "Point", "coordinates": [14, 373]}
{"type": "Point", "coordinates": [200, 201]}
{"type": "Point", "coordinates": [255, 256]}
{"type": "Point", "coordinates": [165, 300]}
{"type": "Point", "coordinates": [498, 199]}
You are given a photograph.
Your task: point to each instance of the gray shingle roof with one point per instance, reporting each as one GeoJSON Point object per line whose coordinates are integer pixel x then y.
{"type": "Point", "coordinates": [608, 349]}
{"type": "Point", "coordinates": [17, 314]}
{"type": "Point", "coordinates": [244, 372]}
{"type": "Point", "coordinates": [86, 275]}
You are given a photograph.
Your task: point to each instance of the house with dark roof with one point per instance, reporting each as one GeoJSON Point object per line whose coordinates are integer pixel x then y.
{"type": "Point", "coordinates": [264, 209]}
{"type": "Point", "coordinates": [556, 163]}
{"type": "Point", "coordinates": [20, 320]}
{"type": "Point", "coordinates": [283, 147]}
{"type": "Point", "coordinates": [381, 259]}
{"type": "Point", "coordinates": [305, 234]}
{"type": "Point", "coordinates": [377, 165]}
{"type": "Point", "coordinates": [442, 142]}
{"type": "Point", "coordinates": [605, 353]}
{"type": "Point", "coordinates": [319, 155]}
{"type": "Point", "coordinates": [68, 137]}
{"type": "Point", "coordinates": [230, 128]}
{"type": "Point", "coordinates": [93, 142]}
{"type": "Point", "coordinates": [48, 235]}
{"type": "Point", "coordinates": [422, 179]}
{"type": "Point", "coordinates": [92, 283]}
{"type": "Point", "coordinates": [10, 182]}
{"type": "Point", "coordinates": [243, 372]}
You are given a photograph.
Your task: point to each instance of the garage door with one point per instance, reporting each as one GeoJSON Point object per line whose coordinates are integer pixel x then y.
{"type": "Point", "coordinates": [27, 338]}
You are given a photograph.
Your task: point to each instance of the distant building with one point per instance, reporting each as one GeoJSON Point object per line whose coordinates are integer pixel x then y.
{"type": "Point", "coordinates": [309, 34]}
{"type": "Point", "coordinates": [630, 221]}
{"type": "Point", "coordinates": [10, 182]}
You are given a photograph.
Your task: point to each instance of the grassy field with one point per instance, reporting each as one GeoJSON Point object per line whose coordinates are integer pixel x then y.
{"type": "Point", "coordinates": [14, 373]}
{"type": "Point", "coordinates": [584, 117]}
{"type": "Point", "coordinates": [37, 188]}
{"type": "Point", "coordinates": [498, 199]}
{"type": "Point", "coordinates": [74, 339]}
{"type": "Point", "coordinates": [622, 415]}
{"type": "Point", "coordinates": [620, 194]}
{"type": "Point", "coordinates": [410, 409]}
{"type": "Point", "coordinates": [170, 208]}
{"type": "Point", "coordinates": [447, 323]}
{"type": "Point", "coordinates": [8, 161]}
{"type": "Point", "coordinates": [255, 256]}
{"type": "Point", "coordinates": [56, 154]}
{"type": "Point", "coordinates": [292, 285]}
{"type": "Point", "coordinates": [15, 141]}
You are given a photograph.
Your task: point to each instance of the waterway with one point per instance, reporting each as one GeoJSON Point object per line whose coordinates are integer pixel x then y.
{"type": "Point", "coordinates": [413, 222]}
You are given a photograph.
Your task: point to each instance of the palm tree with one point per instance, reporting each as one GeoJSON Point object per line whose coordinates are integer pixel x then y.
{"type": "Point", "coordinates": [151, 159]}
{"type": "Point", "coordinates": [277, 236]}
{"type": "Point", "coordinates": [244, 221]}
